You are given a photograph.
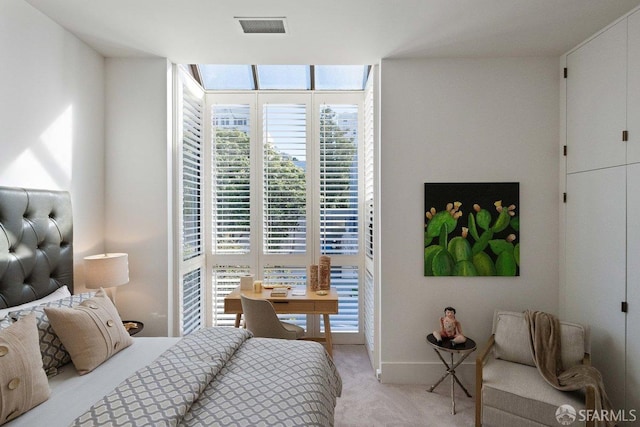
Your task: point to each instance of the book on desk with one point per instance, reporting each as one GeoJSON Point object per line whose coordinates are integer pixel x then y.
{"type": "Point", "coordinates": [279, 292]}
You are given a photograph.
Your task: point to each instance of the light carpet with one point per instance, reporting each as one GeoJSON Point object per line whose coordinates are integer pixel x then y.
{"type": "Point", "coordinates": [367, 402]}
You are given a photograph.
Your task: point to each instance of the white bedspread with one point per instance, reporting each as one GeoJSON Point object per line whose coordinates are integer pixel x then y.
{"type": "Point", "coordinates": [72, 394]}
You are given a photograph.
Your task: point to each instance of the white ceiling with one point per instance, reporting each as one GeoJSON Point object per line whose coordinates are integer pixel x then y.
{"type": "Point", "coordinates": [333, 31]}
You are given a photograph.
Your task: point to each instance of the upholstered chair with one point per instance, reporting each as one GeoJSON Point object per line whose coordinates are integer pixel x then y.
{"type": "Point", "coordinates": [509, 389]}
{"type": "Point", "coordinates": [261, 319]}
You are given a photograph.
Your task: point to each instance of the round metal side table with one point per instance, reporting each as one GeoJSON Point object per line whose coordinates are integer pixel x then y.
{"type": "Point", "coordinates": [448, 346]}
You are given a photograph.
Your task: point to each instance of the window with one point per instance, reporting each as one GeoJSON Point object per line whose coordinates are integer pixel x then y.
{"type": "Point", "coordinates": [282, 77]}
{"type": "Point", "coordinates": [284, 184]}
{"type": "Point", "coordinates": [191, 254]}
{"type": "Point", "coordinates": [231, 179]}
{"type": "Point", "coordinates": [279, 182]}
{"type": "Point", "coordinates": [339, 219]}
{"type": "Point", "coordinates": [286, 190]}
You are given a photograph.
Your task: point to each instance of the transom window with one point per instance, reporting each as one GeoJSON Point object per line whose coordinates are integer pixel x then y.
{"type": "Point", "coordinates": [281, 77]}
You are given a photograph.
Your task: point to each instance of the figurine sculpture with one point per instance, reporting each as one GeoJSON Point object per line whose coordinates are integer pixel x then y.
{"type": "Point", "coordinates": [450, 328]}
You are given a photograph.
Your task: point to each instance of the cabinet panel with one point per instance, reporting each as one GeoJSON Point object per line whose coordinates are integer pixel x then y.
{"type": "Point", "coordinates": [596, 101]}
{"type": "Point", "coordinates": [633, 98]}
{"type": "Point", "coordinates": [596, 267]}
{"type": "Point", "coordinates": [633, 287]}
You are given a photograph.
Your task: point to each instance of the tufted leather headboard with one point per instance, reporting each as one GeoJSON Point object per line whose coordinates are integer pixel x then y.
{"type": "Point", "coordinates": [36, 244]}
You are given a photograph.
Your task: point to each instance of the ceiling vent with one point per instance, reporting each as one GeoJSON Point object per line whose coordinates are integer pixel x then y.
{"type": "Point", "coordinates": [275, 25]}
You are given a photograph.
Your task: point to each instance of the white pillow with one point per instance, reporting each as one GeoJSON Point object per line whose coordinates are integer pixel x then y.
{"type": "Point", "coordinates": [59, 293]}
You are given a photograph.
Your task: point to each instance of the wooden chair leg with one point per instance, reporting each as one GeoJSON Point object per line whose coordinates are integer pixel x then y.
{"type": "Point", "coordinates": [590, 403]}
{"type": "Point", "coordinates": [478, 393]}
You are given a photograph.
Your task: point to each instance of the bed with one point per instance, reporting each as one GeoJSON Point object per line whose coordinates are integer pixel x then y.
{"type": "Point", "coordinates": [213, 377]}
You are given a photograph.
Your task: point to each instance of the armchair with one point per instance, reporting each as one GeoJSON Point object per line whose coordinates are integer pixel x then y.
{"type": "Point", "coordinates": [509, 389]}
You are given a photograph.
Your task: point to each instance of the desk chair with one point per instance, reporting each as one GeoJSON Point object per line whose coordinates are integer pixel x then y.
{"type": "Point", "coordinates": [261, 319]}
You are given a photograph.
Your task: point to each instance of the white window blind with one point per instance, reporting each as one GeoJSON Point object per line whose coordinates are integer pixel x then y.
{"type": "Point", "coordinates": [191, 301]}
{"type": "Point", "coordinates": [285, 189]}
{"type": "Point", "coordinates": [369, 124]}
{"type": "Point", "coordinates": [345, 279]}
{"type": "Point", "coordinates": [192, 184]}
{"type": "Point", "coordinates": [368, 308]}
{"type": "Point", "coordinates": [225, 280]}
{"type": "Point", "coordinates": [191, 181]}
{"type": "Point", "coordinates": [339, 179]}
{"type": "Point", "coordinates": [284, 178]}
{"type": "Point", "coordinates": [368, 297]}
{"type": "Point", "coordinates": [231, 177]}
{"type": "Point", "coordinates": [290, 276]}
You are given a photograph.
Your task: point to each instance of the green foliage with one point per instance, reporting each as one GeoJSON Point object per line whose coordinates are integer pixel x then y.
{"type": "Point", "coordinates": [339, 151]}
{"type": "Point", "coordinates": [466, 254]}
{"type": "Point", "coordinates": [285, 182]}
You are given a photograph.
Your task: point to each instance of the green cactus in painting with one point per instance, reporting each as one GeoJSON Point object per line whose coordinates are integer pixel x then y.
{"type": "Point", "coordinates": [437, 260]}
{"type": "Point", "coordinates": [458, 256]}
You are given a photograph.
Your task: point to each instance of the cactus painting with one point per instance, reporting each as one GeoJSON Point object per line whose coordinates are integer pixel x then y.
{"type": "Point", "coordinates": [472, 229]}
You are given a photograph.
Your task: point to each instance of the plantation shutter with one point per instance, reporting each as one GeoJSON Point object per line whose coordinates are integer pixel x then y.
{"type": "Point", "coordinates": [192, 168]}
{"type": "Point", "coordinates": [369, 292]}
{"type": "Point", "coordinates": [231, 178]}
{"type": "Point", "coordinates": [284, 178]}
{"type": "Point", "coordinates": [368, 170]}
{"type": "Point", "coordinates": [290, 276]}
{"type": "Point", "coordinates": [338, 179]}
{"type": "Point", "coordinates": [191, 301]}
{"type": "Point", "coordinates": [225, 280]}
{"type": "Point", "coordinates": [191, 212]}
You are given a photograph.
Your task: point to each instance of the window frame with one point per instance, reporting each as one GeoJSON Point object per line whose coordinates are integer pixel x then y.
{"type": "Point", "coordinates": [255, 261]}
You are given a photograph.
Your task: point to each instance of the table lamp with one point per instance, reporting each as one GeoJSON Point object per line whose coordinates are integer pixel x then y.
{"type": "Point", "coordinates": [106, 271]}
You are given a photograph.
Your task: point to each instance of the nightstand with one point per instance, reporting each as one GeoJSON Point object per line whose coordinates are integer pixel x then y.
{"type": "Point", "coordinates": [133, 326]}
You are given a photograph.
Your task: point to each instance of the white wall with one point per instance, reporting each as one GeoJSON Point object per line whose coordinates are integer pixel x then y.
{"type": "Point", "coordinates": [58, 131]}
{"type": "Point", "coordinates": [137, 189]}
{"type": "Point", "coordinates": [463, 120]}
{"type": "Point", "coordinates": [51, 118]}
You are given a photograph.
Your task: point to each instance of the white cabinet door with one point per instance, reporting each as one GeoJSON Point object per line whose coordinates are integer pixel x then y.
{"type": "Point", "coordinates": [633, 287]}
{"type": "Point", "coordinates": [596, 101]}
{"type": "Point", "coordinates": [633, 98]}
{"type": "Point", "coordinates": [596, 268]}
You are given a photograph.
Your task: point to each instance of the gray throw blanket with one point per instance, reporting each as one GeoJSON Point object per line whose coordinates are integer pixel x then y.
{"type": "Point", "coordinates": [544, 337]}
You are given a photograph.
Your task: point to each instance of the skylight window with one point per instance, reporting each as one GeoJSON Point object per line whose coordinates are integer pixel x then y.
{"type": "Point", "coordinates": [340, 77]}
{"type": "Point", "coordinates": [227, 77]}
{"type": "Point", "coordinates": [283, 77]}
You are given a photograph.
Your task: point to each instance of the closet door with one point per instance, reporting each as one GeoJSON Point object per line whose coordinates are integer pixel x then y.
{"type": "Point", "coordinates": [633, 287]}
{"type": "Point", "coordinates": [596, 101]}
{"type": "Point", "coordinates": [633, 99]}
{"type": "Point", "coordinates": [596, 267]}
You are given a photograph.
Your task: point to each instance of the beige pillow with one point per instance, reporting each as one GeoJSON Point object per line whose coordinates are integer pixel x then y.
{"type": "Point", "coordinates": [91, 332]}
{"type": "Point", "coordinates": [23, 382]}
{"type": "Point", "coordinates": [512, 338]}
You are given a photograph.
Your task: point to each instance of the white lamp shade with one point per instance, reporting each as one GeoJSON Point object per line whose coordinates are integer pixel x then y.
{"type": "Point", "coordinates": [106, 270]}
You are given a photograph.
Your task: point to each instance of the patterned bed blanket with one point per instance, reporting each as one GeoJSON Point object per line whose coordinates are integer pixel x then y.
{"type": "Point", "coordinates": [224, 377]}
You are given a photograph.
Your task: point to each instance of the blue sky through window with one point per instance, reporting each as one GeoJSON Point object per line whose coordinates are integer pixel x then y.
{"type": "Point", "coordinates": [283, 77]}
{"type": "Point", "coordinates": [227, 77]}
{"type": "Point", "coordinates": [340, 77]}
